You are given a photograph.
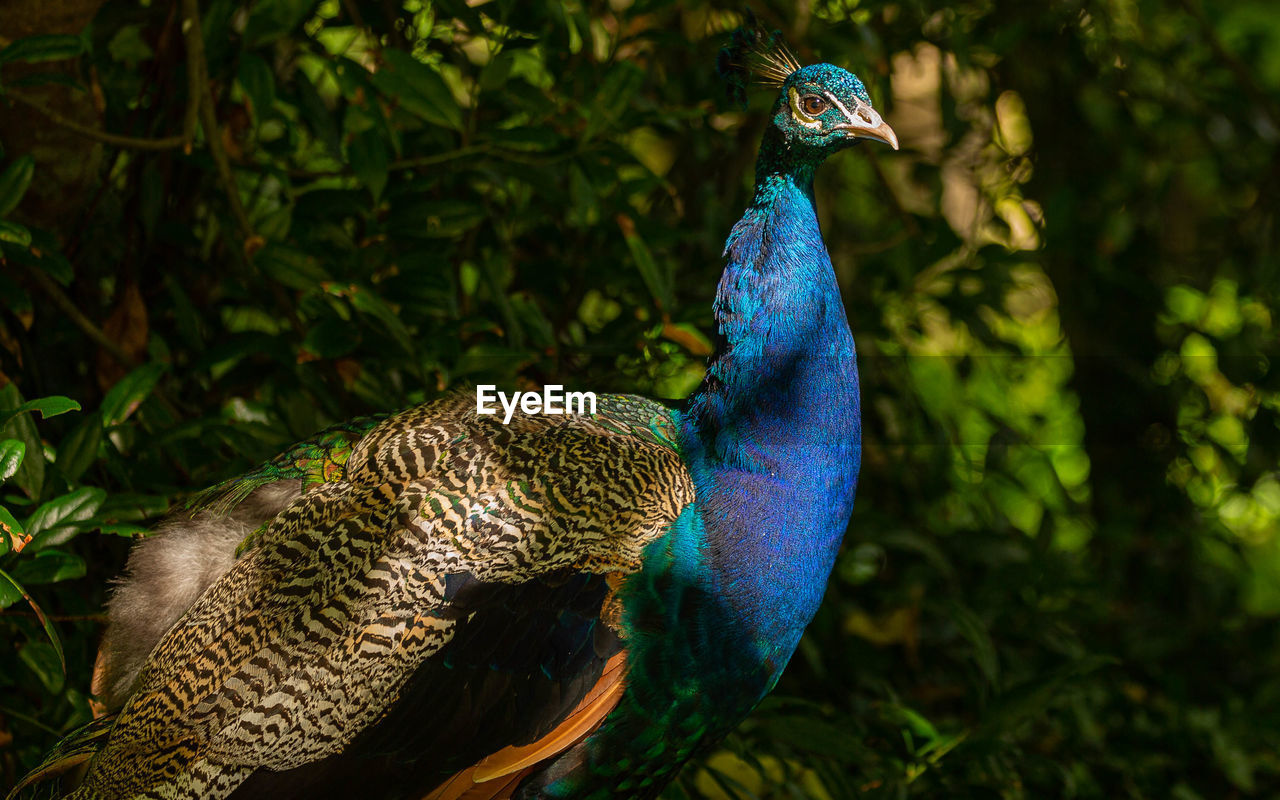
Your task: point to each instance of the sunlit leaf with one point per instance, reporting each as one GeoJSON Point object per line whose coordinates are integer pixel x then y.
{"type": "Point", "coordinates": [45, 406]}
{"type": "Point", "coordinates": [11, 453]}
{"type": "Point", "coordinates": [30, 474]}
{"type": "Point", "coordinates": [54, 522]}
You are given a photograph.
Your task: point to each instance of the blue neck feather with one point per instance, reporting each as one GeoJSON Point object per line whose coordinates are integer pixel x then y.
{"type": "Point", "coordinates": [773, 435]}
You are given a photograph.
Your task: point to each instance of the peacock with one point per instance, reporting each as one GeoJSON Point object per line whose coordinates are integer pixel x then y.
{"type": "Point", "coordinates": [435, 604]}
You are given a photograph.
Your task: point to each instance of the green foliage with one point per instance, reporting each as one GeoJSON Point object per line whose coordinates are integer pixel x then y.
{"type": "Point", "coordinates": [1063, 575]}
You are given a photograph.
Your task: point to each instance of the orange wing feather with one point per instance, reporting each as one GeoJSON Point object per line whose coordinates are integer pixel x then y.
{"type": "Point", "coordinates": [496, 776]}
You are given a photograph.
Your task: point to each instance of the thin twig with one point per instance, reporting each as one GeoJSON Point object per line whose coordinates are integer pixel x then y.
{"type": "Point", "coordinates": [196, 67]}
{"type": "Point", "coordinates": [64, 304]}
{"type": "Point", "coordinates": [354, 13]}
{"type": "Point", "coordinates": [209, 120]}
{"type": "Point", "coordinates": [130, 142]}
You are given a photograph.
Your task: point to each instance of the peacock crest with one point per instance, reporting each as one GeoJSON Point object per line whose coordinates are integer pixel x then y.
{"type": "Point", "coordinates": [755, 54]}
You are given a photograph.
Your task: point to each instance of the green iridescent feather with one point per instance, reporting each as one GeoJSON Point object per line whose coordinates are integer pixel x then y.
{"type": "Point", "coordinates": [320, 459]}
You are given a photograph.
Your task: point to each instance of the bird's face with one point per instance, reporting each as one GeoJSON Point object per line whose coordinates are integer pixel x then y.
{"type": "Point", "coordinates": [824, 108]}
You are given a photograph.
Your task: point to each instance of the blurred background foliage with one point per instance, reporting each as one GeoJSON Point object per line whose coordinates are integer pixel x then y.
{"type": "Point", "coordinates": [1063, 575]}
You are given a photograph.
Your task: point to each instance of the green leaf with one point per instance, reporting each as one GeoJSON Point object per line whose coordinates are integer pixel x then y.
{"type": "Point", "coordinates": [418, 89]}
{"type": "Point", "coordinates": [128, 46]}
{"type": "Point", "coordinates": [125, 397]}
{"type": "Point", "coordinates": [12, 536]}
{"type": "Point", "coordinates": [11, 453]}
{"type": "Point", "coordinates": [47, 407]}
{"type": "Point", "coordinates": [291, 267]}
{"type": "Point", "coordinates": [45, 47]}
{"type": "Point", "coordinates": [50, 406]}
{"type": "Point", "coordinates": [14, 233]}
{"type": "Point", "coordinates": [10, 590]}
{"type": "Point", "coordinates": [272, 19]}
{"type": "Point", "coordinates": [49, 522]}
{"type": "Point", "coordinates": [657, 279]}
{"type": "Point", "coordinates": [80, 447]}
{"type": "Point", "coordinates": [49, 566]}
{"type": "Point", "coordinates": [30, 475]}
{"type": "Point", "coordinates": [14, 182]}
{"type": "Point", "coordinates": [370, 158]}
{"type": "Point", "coordinates": [366, 301]}
{"type": "Point", "coordinates": [258, 83]}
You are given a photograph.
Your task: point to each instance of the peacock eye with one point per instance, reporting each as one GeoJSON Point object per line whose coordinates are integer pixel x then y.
{"type": "Point", "coordinates": [813, 105]}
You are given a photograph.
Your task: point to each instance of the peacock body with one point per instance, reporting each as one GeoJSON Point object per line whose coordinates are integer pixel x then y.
{"type": "Point", "coordinates": [435, 604]}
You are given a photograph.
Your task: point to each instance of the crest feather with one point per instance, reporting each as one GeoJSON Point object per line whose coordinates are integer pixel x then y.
{"type": "Point", "coordinates": [755, 54]}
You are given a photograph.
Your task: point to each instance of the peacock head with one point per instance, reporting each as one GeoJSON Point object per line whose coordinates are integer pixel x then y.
{"type": "Point", "coordinates": [820, 109]}
{"type": "Point", "coordinates": [823, 108]}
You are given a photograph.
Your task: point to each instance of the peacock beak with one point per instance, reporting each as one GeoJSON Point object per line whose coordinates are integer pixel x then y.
{"type": "Point", "coordinates": [865, 123]}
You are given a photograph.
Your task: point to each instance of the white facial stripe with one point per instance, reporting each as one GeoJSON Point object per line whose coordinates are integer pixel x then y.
{"type": "Point", "coordinates": [840, 106]}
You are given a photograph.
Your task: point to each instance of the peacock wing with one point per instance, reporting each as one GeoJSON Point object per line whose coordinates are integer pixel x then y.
{"type": "Point", "coordinates": [462, 567]}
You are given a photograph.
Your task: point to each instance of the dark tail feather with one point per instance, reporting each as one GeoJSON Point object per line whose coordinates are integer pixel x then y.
{"type": "Point", "coordinates": [73, 751]}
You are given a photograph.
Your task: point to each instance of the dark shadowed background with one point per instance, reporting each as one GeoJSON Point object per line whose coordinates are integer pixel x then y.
{"type": "Point", "coordinates": [1063, 574]}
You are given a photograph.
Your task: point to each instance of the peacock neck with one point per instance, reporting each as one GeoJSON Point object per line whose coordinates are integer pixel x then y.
{"type": "Point", "coordinates": [773, 433]}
